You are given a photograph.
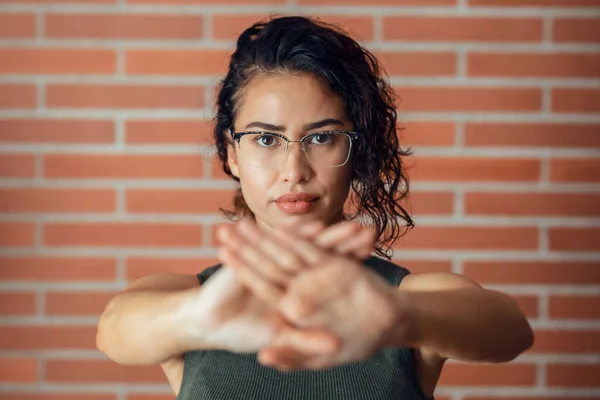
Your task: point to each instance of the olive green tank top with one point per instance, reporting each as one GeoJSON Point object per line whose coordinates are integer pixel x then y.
{"type": "Point", "coordinates": [221, 375]}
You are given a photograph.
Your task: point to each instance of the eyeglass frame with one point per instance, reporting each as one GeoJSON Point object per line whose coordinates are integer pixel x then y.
{"type": "Point", "coordinates": [237, 136]}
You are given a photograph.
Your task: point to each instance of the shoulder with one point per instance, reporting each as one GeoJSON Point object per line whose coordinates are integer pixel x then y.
{"type": "Point", "coordinates": [437, 281]}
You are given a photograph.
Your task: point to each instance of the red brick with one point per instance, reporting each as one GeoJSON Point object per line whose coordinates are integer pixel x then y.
{"type": "Point", "coordinates": [207, 2]}
{"type": "Point", "coordinates": [189, 201]}
{"type": "Point", "coordinates": [566, 341]}
{"type": "Point", "coordinates": [575, 170]}
{"type": "Point", "coordinates": [488, 375]}
{"type": "Point", "coordinates": [574, 239]}
{"type": "Point", "coordinates": [464, 29]}
{"type": "Point", "coordinates": [58, 269]}
{"type": "Point", "coordinates": [533, 272]}
{"type": "Point", "coordinates": [217, 169]}
{"type": "Point", "coordinates": [423, 266]}
{"type": "Point", "coordinates": [138, 267]}
{"type": "Point", "coordinates": [573, 375]}
{"type": "Point", "coordinates": [18, 95]}
{"type": "Point", "coordinates": [532, 135]}
{"type": "Point", "coordinates": [17, 25]}
{"type": "Point", "coordinates": [61, 1]}
{"type": "Point", "coordinates": [379, 2]}
{"type": "Point", "coordinates": [429, 203]}
{"type": "Point", "coordinates": [574, 307]}
{"type": "Point", "coordinates": [123, 234]}
{"type": "Point", "coordinates": [417, 133]}
{"type": "Point", "coordinates": [468, 99]}
{"type": "Point", "coordinates": [17, 166]}
{"type": "Point", "coordinates": [177, 62]}
{"type": "Point", "coordinates": [229, 27]}
{"type": "Point", "coordinates": [41, 337]}
{"type": "Point", "coordinates": [18, 370]}
{"type": "Point", "coordinates": [130, 26]}
{"type": "Point", "coordinates": [122, 166]}
{"type": "Point", "coordinates": [57, 200]}
{"type": "Point", "coordinates": [583, 30]}
{"type": "Point", "coordinates": [56, 396]}
{"type": "Point", "coordinates": [538, 65]}
{"type": "Point", "coordinates": [584, 100]}
{"type": "Point", "coordinates": [18, 130]}
{"type": "Point", "coordinates": [18, 234]}
{"type": "Point", "coordinates": [527, 304]}
{"type": "Point", "coordinates": [465, 238]}
{"type": "Point", "coordinates": [57, 61]}
{"type": "Point", "coordinates": [17, 303]}
{"type": "Point", "coordinates": [101, 371]}
{"type": "Point", "coordinates": [533, 204]}
{"type": "Point", "coordinates": [77, 303]}
{"type": "Point", "coordinates": [124, 96]}
{"type": "Point", "coordinates": [169, 131]}
{"type": "Point", "coordinates": [418, 63]}
{"type": "Point", "coordinates": [535, 3]}
{"type": "Point", "coordinates": [473, 169]}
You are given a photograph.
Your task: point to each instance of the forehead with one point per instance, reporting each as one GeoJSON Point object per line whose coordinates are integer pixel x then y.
{"type": "Point", "coordinates": [289, 100]}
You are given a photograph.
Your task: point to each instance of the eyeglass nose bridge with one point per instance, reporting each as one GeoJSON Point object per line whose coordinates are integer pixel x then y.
{"type": "Point", "coordinates": [301, 141]}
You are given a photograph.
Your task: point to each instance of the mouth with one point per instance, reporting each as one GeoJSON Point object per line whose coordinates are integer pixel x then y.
{"type": "Point", "coordinates": [296, 203]}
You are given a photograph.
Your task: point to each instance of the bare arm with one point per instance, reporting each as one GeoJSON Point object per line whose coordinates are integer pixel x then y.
{"type": "Point", "coordinates": [145, 324]}
{"type": "Point", "coordinates": [455, 318]}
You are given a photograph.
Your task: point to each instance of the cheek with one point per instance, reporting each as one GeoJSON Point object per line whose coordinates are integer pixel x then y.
{"type": "Point", "coordinates": [338, 185]}
{"type": "Point", "coordinates": [254, 184]}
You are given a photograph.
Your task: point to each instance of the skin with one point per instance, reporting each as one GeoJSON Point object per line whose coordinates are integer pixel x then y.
{"type": "Point", "coordinates": [291, 102]}
{"type": "Point", "coordinates": [294, 283]}
{"type": "Point", "coordinates": [294, 273]}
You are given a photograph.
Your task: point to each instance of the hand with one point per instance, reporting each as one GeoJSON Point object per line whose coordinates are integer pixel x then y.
{"type": "Point", "coordinates": [228, 316]}
{"type": "Point", "coordinates": [312, 288]}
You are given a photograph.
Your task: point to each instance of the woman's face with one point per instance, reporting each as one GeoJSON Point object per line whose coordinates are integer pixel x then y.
{"type": "Point", "coordinates": [289, 104]}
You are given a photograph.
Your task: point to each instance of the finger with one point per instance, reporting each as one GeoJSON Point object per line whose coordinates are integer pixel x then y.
{"type": "Point", "coordinates": [238, 243]}
{"type": "Point", "coordinates": [360, 245]}
{"type": "Point", "coordinates": [334, 234]}
{"type": "Point", "coordinates": [287, 359]}
{"type": "Point", "coordinates": [309, 341]}
{"type": "Point", "coordinates": [285, 254]}
{"type": "Point", "coordinates": [281, 358]}
{"type": "Point", "coordinates": [262, 288]}
{"type": "Point", "coordinates": [348, 238]}
{"type": "Point", "coordinates": [308, 229]}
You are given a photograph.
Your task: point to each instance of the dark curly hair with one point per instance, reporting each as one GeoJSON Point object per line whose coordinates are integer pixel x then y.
{"type": "Point", "coordinates": [297, 44]}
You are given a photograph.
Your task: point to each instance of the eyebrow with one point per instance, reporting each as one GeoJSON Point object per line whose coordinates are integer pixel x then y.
{"type": "Point", "coordinates": [307, 127]}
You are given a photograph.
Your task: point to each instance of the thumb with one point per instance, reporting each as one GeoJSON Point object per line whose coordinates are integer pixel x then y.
{"type": "Point", "coordinates": [310, 341]}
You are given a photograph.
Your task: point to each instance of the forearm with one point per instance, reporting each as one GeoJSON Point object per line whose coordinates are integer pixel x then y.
{"type": "Point", "coordinates": [144, 327]}
{"type": "Point", "coordinates": [469, 324]}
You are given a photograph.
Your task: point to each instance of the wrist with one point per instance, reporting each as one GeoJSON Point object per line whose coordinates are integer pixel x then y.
{"type": "Point", "coordinates": [406, 325]}
{"type": "Point", "coordinates": [186, 320]}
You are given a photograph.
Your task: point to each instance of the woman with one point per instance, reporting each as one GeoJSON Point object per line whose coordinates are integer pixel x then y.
{"type": "Point", "coordinates": [299, 308]}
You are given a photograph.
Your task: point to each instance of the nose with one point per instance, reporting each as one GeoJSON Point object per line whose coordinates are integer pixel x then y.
{"type": "Point", "coordinates": [296, 168]}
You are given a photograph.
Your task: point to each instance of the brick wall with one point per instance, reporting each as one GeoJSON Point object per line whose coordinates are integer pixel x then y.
{"type": "Point", "coordinates": [105, 175]}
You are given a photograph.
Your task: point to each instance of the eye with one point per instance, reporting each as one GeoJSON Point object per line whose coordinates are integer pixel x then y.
{"type": "Point", "coordinates": [322, 138]}
{"type": "Point", "coordinates": [266, 140]}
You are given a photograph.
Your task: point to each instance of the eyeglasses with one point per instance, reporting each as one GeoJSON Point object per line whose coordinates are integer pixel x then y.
{"type": "Point", "coordinates": [268, 149]}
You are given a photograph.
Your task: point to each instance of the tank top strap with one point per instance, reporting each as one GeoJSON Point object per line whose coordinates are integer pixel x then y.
{"type": "Point", "coordinates": [391, 272]}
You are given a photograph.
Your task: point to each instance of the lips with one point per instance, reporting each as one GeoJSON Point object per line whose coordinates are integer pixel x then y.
{"type": "Point", "coordinates": [296, 203]}
{"type": "Point", "coordinates": [292, 197]}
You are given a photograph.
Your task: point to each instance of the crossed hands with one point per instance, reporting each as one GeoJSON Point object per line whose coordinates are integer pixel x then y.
{"type": "Point", "coordinates": [328, 308]}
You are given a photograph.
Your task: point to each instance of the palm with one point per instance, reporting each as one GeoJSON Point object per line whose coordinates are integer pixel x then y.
{"type": "Point", "coordinates": [235, 319]}
{"type": "Point", "coordinates": [357, 308]}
